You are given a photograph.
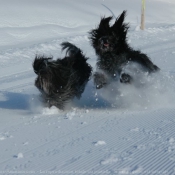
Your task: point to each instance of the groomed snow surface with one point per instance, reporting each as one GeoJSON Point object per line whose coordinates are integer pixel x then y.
{"type": "Point", "coordinates": [126, 129]}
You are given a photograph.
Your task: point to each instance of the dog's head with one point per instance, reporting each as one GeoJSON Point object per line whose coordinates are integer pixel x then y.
{"type": "Point", "coordinates": [51, 75]}
{"type": "Point", "coordinates": [106, 38]}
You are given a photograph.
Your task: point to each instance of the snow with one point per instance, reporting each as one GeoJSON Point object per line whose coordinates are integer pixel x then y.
{"type": "Point", "coordinates": [19, 156]}
{"type": "Point", "coordinates": [100, 142]}
{"type": "Point", "coordinates": [120, 130]}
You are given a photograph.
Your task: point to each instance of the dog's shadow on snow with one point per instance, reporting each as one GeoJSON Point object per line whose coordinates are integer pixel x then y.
{"type": "Point", "coordinates": [11, 100]}
{"type": "Point", "coordinates": [20, 101]}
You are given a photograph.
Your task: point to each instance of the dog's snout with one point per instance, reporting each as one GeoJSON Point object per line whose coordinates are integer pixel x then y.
{"type": "Point", "coordinates": [104, 40]}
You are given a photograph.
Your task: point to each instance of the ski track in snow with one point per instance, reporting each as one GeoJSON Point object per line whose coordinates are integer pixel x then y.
{"type": "Point", "coordinates": [91, 137]}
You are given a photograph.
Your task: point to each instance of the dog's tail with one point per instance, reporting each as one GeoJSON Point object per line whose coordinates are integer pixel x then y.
{"type": "Point", "coordinates": [77, 58]}
{"type": "Point", "coordinates": [40, 62]}
{"type": "Point", "coordinates": [72, 50]}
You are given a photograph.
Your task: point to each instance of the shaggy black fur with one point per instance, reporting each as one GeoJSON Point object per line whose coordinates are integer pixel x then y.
{"type": "Point", "coordinates": [114, 53]}
{"type": "Point", "coordinates": [61, 80]}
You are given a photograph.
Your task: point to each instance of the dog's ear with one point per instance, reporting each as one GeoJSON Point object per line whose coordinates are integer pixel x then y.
{"type": "Point", "coordinates": [104, 24]}
{"type": "Point", "coordinates": [119, 23]}
{"type": "Point", "coordinates": [120, 28]}
{"type": "Point", "coordinates": [102, 29]}
{"type": "Point", "coordinates": [39, 61]}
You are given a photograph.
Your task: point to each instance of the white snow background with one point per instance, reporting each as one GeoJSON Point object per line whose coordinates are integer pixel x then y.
{"type": "Point", "coordinates": [126, 129]}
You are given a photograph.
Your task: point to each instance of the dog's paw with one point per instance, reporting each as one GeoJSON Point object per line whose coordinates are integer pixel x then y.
{"type": "Point", "coordinates": [125, 78]}
{"type": "Point", "coordinates": [99, 80]}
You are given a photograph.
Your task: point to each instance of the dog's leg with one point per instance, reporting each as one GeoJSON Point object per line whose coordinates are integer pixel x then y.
{"type": "Point", "coordinates": [100, 80]}
{"type": "Point", "coordinates": [125, 78]}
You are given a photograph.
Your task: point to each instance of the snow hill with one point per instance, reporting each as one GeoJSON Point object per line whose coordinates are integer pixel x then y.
{"type": "Point", "coordinates": [130, 132]}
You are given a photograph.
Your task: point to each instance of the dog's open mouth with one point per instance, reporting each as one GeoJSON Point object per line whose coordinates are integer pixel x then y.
{"type": "Point", "coordinates": [106, 44]}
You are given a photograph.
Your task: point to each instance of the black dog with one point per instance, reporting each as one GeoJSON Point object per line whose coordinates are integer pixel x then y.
{"type": "Point", "coordinates": [61, 80]}
{"type": "Point", "coordinates": [114, 53]}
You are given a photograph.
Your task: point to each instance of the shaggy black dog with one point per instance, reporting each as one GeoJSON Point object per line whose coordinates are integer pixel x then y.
{"type": "Point", "coordinates": [61, 80]}
{"type": "Point", "coordinates": [114, 53]}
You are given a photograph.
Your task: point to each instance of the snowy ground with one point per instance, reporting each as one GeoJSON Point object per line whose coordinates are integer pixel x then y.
{"type": "Point", "coordinates": [131, 134]}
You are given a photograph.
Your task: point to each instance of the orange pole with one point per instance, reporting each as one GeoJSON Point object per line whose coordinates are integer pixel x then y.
{"type": "Point", "coordinates": [142, 26]}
